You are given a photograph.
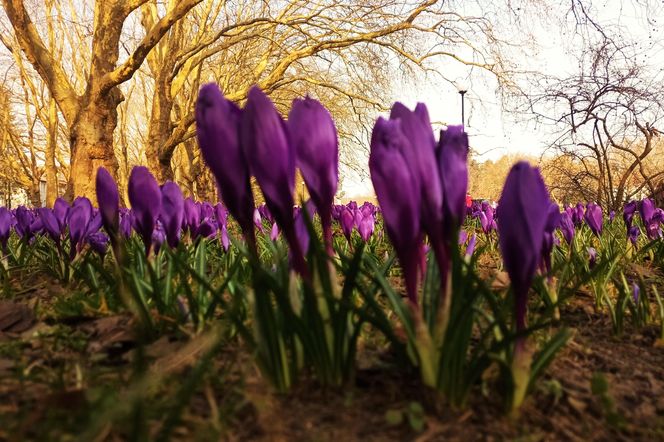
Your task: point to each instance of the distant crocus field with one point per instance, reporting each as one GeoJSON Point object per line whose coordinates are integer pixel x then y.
{"type": "Point", "coordinates": [453, 307]}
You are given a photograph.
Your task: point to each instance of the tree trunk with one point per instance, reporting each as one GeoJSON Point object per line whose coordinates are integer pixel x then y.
{"type": "Point", "coordinates": [91, 141]}
{"type": "Point", "coordinates": [50, 169]}
{"type": "Point", "coordinates": [159, 130]}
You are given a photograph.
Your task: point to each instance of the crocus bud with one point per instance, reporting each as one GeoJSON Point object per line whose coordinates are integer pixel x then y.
{"type": "Point", "coordinates": [60, 210]}
{"type": "Point", "coordinates": [647, 210]}
{"type": "Point", "coordinates": [108, 200]}
{"type": "Point", "coordinates": [628, 213]}
{"type": "Point", "coordinates": [217, 130]}
{"type": "Point", "coordinates": [5, 226]}
{"type": "Point", "coordinates": [399, 196]}
{"type": "Point", "coordinates": [453, 165]}
{"type": "Point", "coordinates": [347, 222]}
{"type": "Point", "coordinates": [264, 137]}
{"type": "Point", "coordinates": [265, 140]}
{"type": "Point", "coordinates": [50, 223]}
{"type": "Point", "coordinates": [592, 257]}
{"type": "Point", "coordinates": [145, 199]}
{"type": "Point", "coordinates": [523, 212]}
{"type": "Point", "coordinates": [593, 218]}
{"type": "Point", "coordinates": [567, 226]}
{"type": "Point", "coordinates": [98, 242]}
{"type": "Point", "coordinates": [633, 234]}
{"type": "Point", "coordinates": [522, 217]}
{"type": "Point", "coordinates": [314, 138]}
{"type": "Point", "coordinates": [172, 212]}
{"type": "Point", "coordinates": [420, 154]}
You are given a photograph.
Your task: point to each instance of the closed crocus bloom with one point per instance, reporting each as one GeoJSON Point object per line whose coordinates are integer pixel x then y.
{"type": "Point", "coordinates": [522, 218]}
{"type": "Point", "coordinates": [628, 213]}
{"type": "Point", "coordinates": [79, 217]}
{"type": "Point", "coordinates": [633, 234]}
{"type": "Point", "coordinates": [453, 165]}
{"type": "Point", "coordinates": [577, 214]}
{"type": "Point", "coordinates": [567, 226]}
{"type": "Point", "coordinates": [470, 249]}
{"type": "Point", "coordinates": [552, 222]}
{"type": "Point", "coordinates": [126, 222]}
{"type": "Point", "coordinates": [366, 227]}
{"type": "Point", "coordinates": [98, 242]}
{"type": "Point", "coordinates": [420, 154]}
{"type": "Point", "coordinates": [108, 200]}
{"type": "Point", "coordinates": [612, 214]}
{"type": "Point", "coordinates": [647, 210]}
{"type": "Point", "coordinates": [314, 139]}
{"type": "Point", "coordinates": [523, 213]}
{"type": "Point", "coordinates": [347, 222]}
{"type": "Point", "coordinates": [50, 223]}
{"type": "Point", "coordinates": [399, 197]}
{"type": "Point", "coordinates": [592, 257]}
{"type": "Point", "coordinates": [217, 130]}
{"type": "Point", "coordinates": [24, 219]}
{"type": "Point", "coordinates": [172, 212]}
{"type": "Point", "coordinates": [221, 215]}
{"type": "Point", "coordinates": [192, 217]}
{"type": "Point", "coordinates": [60, 211]}
{"type": "Point", "coordinates": [593, 218]}
{"type": "Point", "coordinates": [5, 226]}
{"type": "Point", "coordinates": [265, 139]}
{"type": "Point", "coordinates": [145, 199]}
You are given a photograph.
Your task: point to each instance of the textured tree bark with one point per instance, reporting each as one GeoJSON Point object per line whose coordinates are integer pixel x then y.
{"type": "Point", "coordinates": [50, 169]}
{"type": "Point", "coordinates": [91, 140]}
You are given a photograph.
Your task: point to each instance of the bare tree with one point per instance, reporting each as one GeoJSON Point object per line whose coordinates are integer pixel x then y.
{"type": "Point", "coordinates": [607, 117]}
{"type": "Point", "coordinates": [92, 116]}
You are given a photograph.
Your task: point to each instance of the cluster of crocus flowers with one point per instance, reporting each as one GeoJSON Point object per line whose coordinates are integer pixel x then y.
{"type": "Point", "coordinates": [361, 218]}
{"type": "Point", "coordinates": [255, 141]}
{"type": "Point", "coordinates": [421, 187]}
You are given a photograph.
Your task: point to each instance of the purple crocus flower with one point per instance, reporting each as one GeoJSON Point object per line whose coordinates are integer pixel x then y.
{"type": "Point", "coordinates": [60, 211]}
{"type": "Point", "coordinates": [453, 165]}
{"type": "Point", "coordinates": [567, 226]}
{"type": "Point", "coordinates": [552, 222]}
{"type": "Point", "coordinates": [50, 223]}
{"type": "Point", "coordinates": [347, 222]}
{"type": "Point", "coordinates": [636, 291]}
{"type": "Point", "coordinates": [628, 213]}
{"type": "Point", "coordinates": [145, 199]}
{"type": "Point", "coordinates": [79, 218]}
{"type": "Point", "coordinates": [257, 220]}
{"type": "Point", "coordinates": [470, 249]}
{"type": "Point", "coordinates": [192, 217]}
{"type": "Point", "coordinates": [593, 218]}
{"type": "Point", "coordinates": [98, 242]}
{"type": "Point", "coordinates": [108, 200]}
{"type": "Point", "coordinates": [217, 129]}
{"type": "Point", "coordinates": [577, 214]}
{"type": "Point", "coordinates": [463, 237]}
{"type": "Point", "coordinates": [366, 226]}
{"type": "Point", "coordinates": [314, 138]}
{"type": "Point", "coordinates": [592, 257]}
{"type": "Point", "coordinates": [172, 212]}
{"type": "Point", "coordinates": [612, 214]}
{"type": "Point", "coordinates": [264, 137]}
{"type": "Point", "coordinates": [420, 155]}
{"type": "Point", "coordinates": [399, 197]}
{"type": "Point", "coordinates": [221, 215]}
{"type": "Point", "coordinates": [126, 222]}
{"type": "Point", "coordinates": [647, 210]}
{"type": "Point", "coordinates": [5, 227]}
{"type": "Point", "coordinates": [633, 234]}
{"type": "Point", "coordinates": [523, 213]}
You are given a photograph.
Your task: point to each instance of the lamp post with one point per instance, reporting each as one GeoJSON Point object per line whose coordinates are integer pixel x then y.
{"type": "Point", "coordinates": [462, 92]}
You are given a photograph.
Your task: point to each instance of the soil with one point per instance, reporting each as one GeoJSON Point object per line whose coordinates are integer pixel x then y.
{"type": "Point", "coordinates": [54, 370]}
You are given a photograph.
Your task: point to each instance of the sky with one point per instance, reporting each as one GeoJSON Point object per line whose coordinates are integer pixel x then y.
{"type": "Point", "coordinates": [494, 132]}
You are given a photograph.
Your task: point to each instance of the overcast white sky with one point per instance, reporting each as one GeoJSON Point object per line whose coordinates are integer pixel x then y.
{"type": "Point", "coordinates": [492, 131]}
